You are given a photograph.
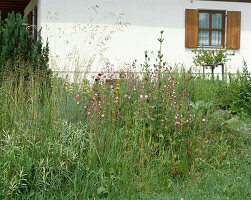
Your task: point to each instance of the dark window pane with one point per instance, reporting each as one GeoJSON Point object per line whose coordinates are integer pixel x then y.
{"type": "Point", "coordinates": [204, 20]}
{"type": "Point", "coordinates": [217, 20]}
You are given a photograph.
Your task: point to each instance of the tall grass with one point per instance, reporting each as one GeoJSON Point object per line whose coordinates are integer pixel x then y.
{"type": "Point", "coordinates": [120, 138]}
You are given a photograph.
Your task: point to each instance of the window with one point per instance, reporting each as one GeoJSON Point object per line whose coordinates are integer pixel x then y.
{"type": "Point", "coordinates": [207, 28]}
{"type": "Point", "coordinates": [211, 28]}
{"type": "Point", "coordinates": [32, 22]}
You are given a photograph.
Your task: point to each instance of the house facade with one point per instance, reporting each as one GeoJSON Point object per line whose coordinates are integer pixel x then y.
{"type": "Point", "coordinates": [84, 34]}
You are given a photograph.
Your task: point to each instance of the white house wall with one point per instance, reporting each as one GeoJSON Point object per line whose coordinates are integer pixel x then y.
{"type": "Point", "coordinates": [76, 29]}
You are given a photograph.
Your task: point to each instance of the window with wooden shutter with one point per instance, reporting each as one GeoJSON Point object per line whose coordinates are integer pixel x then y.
{"type": "Point", "coordinates": [233, 29]}
{"type": "Point", "coordinates": [207, 28]}
{"type": "Point", "coordinates": [191, 28]}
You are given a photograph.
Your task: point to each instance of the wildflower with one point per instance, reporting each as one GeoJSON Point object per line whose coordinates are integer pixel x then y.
{"type": "Point", "coordinates": [129, 97]}
{"type": "Point", "coordinates": [146, 96]}
{"type": "Point", "coordinates": [84, 106]}
{"type": "Point", "coordinates": [78, 102]}
{"type": "Point", "coordinates": [142, 91]}
{"type": "Point", "coordinates": [141, 96]}
{"type": "Point", "coordinates": [203, 120]}
{"type": "Point", "coordinates": [102, 115]}
{"type": "Point", "coordinates": [100, 74]}
{"type": "Point", "coordinates": [116, 97]}
{"type": "Point", "coordinates": [93, 98]}
{"type": "Point", "coordinates": [117, 88]}
{"type": "Point", "coordinates": [77, 95]}
{"type": "Point", "coordinates": [177, 122]}
{"type": "Point", "coordinates": [111, 86]}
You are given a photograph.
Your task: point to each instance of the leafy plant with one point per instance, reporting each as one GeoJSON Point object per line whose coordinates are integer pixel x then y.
{"type": "Point", "coordinates": [211, 57]}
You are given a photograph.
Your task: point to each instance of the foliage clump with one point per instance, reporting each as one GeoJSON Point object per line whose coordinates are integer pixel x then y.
{"type": "Point", "coordinates": [211, 57]}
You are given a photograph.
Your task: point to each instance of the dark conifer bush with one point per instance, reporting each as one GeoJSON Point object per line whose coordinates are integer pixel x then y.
{"type": "Point", "coordinates": [17, 45]}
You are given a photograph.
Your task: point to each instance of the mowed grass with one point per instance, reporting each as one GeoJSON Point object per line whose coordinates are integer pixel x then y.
{"type": "Point", "coordinates": [121, 139]}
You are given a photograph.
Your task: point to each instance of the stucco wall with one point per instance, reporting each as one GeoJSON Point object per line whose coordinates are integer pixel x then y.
{"type": "Point", "coordinates": [76, 29]}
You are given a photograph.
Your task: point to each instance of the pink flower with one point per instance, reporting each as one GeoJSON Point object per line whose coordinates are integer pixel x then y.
{"type": "Point", "coordinates": [84, 106]}
{"type": "Point", "coordinates": [77, 95]}
{"type": "Point", "coordinates": [146, 96]}
{"type": "Point", "coordinates": [102, 115]}
{"type": "Point", "coordinates": [116, 97]}
{"type": "Point", "coordinates": [100, 74]}
{"type": "Point", "coordinates": [78, 102]}
{"type": "Point", "coordinates": [129, 97]}
{"type": "Point", "coordinates": [141, 96]}
{"type": "Point", "coordinates": [93, 98]}
{"type": "Point", "coordinates": [111, 86]}
{"type": "Point", "coordinates": [142, 91]}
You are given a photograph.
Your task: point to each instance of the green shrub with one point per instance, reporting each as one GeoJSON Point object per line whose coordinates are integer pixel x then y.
{"type": "Point", "coordinates": [17, 44]}
{"type": "Point", "coordinates": [235, 94]}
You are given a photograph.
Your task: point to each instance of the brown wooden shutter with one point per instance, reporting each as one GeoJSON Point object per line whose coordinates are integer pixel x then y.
{"type": "Point", "coordinates": [30, 22]}
{"type": "Point", "coordinates": [191, 28]}
{"type": "Point", "coordinates": [233, 29]}
{"type": "Point", "coordinates": [35, 23]}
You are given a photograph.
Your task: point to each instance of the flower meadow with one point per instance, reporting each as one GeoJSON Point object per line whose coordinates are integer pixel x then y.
{"type": "Point", "coordinates": [163, 133]}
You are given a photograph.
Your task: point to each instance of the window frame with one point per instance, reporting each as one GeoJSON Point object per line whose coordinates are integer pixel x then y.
{"type": "Point", "coordinates": [210, 29]}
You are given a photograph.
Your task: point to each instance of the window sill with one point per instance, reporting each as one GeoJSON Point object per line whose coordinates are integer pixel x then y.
{"type": "Point", "coordinates": [210, 47]}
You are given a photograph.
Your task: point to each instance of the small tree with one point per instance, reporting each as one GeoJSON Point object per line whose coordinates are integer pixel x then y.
{"type": "Point", "coordinates": [211, 58]}
{"type": "Point", "coordinates": [16, 43]}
